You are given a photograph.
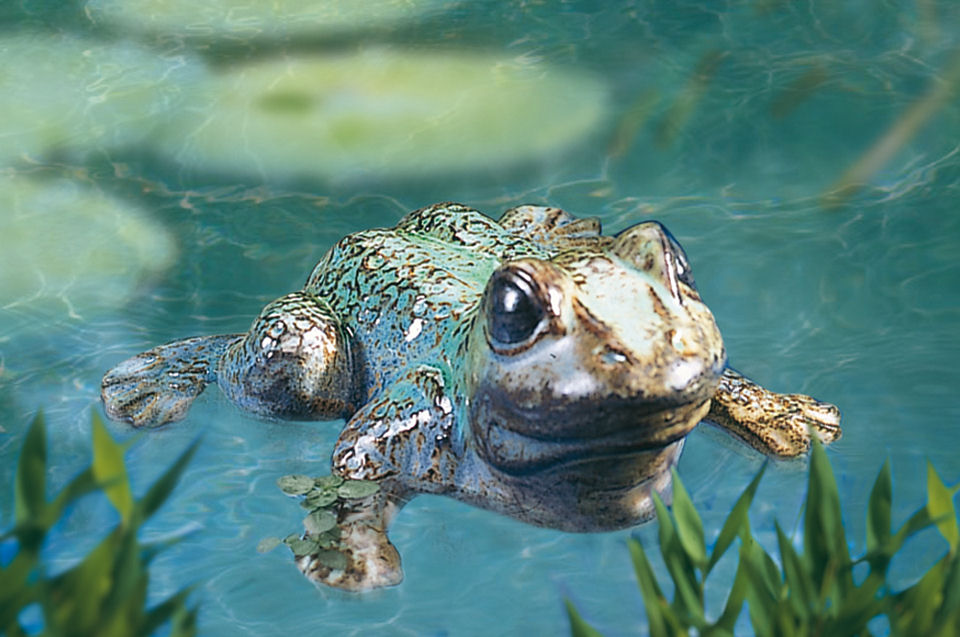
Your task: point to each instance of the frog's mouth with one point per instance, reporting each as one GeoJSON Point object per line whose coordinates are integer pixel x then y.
{"type": "Point", "coordinates": [625, 433]}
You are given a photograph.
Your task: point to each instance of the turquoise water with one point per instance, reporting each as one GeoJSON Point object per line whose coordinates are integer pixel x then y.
{"type": "Point", "coordinates": [126, 222]}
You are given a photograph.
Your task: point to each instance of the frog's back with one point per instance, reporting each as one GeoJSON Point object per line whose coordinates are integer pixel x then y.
{"type": "Point", "coordinates": [407, 293]}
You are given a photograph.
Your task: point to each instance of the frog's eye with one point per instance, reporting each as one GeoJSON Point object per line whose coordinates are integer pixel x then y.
{"type": "Point", "coordinates": [513, 312]}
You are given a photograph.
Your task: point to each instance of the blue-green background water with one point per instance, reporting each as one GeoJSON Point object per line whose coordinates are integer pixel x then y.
{"type": "Point", "coordinates": [728, 121]}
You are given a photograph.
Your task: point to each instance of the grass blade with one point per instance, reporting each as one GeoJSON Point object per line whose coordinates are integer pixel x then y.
{"type": "Point", "coordinates": [689, 525]}
{"type": "Point", "coordinates": [29, 490]}
{"type": "Point", "coordinates": [110, 471]}
{"type": "Point", "coordinates": [940, 505]}
{"type": "Point", "coordinates": [578, 626]}
{"type": "Point", "coordinates": [736, 521]}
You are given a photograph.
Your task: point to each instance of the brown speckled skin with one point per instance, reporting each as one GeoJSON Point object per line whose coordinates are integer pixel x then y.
{"type": "Point", "coordinates": [531, 366]}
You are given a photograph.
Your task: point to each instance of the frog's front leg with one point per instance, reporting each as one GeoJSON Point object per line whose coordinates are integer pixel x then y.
{"type": "Point", "coordinates": [774, 424]}
{"type": "Point", "coordinates": [404, 440]}
{"type": "Point", "coordinates": [294, 363]}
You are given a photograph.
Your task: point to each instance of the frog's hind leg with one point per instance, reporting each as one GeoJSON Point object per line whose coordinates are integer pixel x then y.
{"type": "Point", "coordinates": [294, 363]}
{"type": "Point", "coordinates": [774, 424]}
{"type": "Point", "coordinates": [157, 386]}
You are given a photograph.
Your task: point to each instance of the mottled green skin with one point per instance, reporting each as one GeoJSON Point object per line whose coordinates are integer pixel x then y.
{"type": "Point", "coordinates": [406, 333]}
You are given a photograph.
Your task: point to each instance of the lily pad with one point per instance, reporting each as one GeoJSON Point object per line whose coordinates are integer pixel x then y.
{"type": "Point", "coordinates": [319, 522]}
{"type": "Point", "coordinates": [382, 113]}
{"type": "Point", "coordinates": [353, 489]}
{"type": "Point", "coordinates": [61, 92]}
{"type": "Point", "coordinates": [295, 484]}
{"type": "Point", "coordinates": [67, 246]}
{"type": "Point", "coordinates": [274, 19]}
{"type": "Point", "coordinates": [267, 544]}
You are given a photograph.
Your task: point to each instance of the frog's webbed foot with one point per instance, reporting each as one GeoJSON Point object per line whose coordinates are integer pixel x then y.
{"type": "Point", "coordinates": [158, 386]}
{"type": "Point", "coordinates": [774, 424]}
{"type": "Point", "coordinates": [365, 558]}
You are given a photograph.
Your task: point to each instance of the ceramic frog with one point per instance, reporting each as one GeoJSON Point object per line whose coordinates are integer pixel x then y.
{"type": "Point", "coordinates": [531, 366]}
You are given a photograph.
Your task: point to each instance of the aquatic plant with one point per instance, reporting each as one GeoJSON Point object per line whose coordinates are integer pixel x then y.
{"type": "Point", "coordinates": [276, 19]}
{"type": "Point", "coordinates": [67, 96]}
{"type": "Point", "coordinates": [105, 593]}
{"type": "Point", "coordinates": [383, 113]}
{"type": "Point", "coordinates": [813, 591]}
{"type": "Point", "coordinates": [323, 497]}
{"type": "Point", "coordinates": [67, 246]}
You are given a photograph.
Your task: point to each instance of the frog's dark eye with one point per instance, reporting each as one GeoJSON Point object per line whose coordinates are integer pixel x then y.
{"type": "Point", "coordinates": [513, 310]}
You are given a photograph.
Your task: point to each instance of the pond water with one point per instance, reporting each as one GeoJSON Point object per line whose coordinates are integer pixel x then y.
{"type": "Point", "coordinates": [166, 174]}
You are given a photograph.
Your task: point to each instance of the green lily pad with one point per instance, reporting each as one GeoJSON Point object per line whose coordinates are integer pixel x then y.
{"type": "Point", "coordinates": [382, 113]}
{"type": "Point", "coordinates": [295, 484]}
{"type": "Point", "coordinates": [242, 18]}
{"type": "Point", "coordinates": [267, 544]}
{"type": "Point", "coordinates": [332, 559]}
{"type": "Point", "coordinates": [319, 522]}
{"type": "Point", "coordinates": [64, 244]}
{"type": "Point", "coordinates": [59, 92]}
{"type": "Point", "coordinates": [353, 489]}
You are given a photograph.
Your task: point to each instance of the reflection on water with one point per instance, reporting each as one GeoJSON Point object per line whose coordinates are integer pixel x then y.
{"type": "Point", "coordinates": [728, 123]}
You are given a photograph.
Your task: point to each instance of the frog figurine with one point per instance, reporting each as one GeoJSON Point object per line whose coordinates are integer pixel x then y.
{"type": "Point", "coordinates": [530, 366]}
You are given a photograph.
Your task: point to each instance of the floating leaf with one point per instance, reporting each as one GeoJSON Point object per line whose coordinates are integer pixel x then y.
{"type": "Point", "coordinates": [319, 522]}
{"type": "Point", "coordinates": [354, 489]}
{"type": "Point", "coordinates": [295, 484]}
{"type": "Point", "coordinates": [329, 538]}
{"type": "Point", "coordinates": [267, 544]}
{"type": "Point", "coordinates": [110, 471]}
{"type": "Point", "coordinates": [318, 499]}
{"type": "Point", "coordinates": [334, 560]}
{"type": "Point", "coordinates": [302, 546]}
{"type": "Point", "coordinates": [329, 482]}
{"type": "Point", "coordinates": [940, 504]}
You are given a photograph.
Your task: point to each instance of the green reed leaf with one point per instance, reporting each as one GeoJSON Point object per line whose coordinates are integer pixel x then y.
{"type": "Point", "coordinates": [878, 510]}
{"type": "Point", "coordinates": [734, 604]}
{"type": "Point", "coordinates": [653, 599]}
{"type": "Point", "coordinates": [29, 488]}
{"type": "Point", "coordinates": [110, 471]}
{"type": "Point", "coordinates": [160, 490]}
{"type": "Point", "coordinates": [737, 522]}
{"type": "Point", "coordinates": [689, 525]}
{"type": "Point", "coordinates": [803, 594]}
{"type": "Point", "coordinates": [940, 505]}
{"type": "Point", "coordinates": [578, 626]}
{"type": "Point", "coordinates": [824, 536]}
